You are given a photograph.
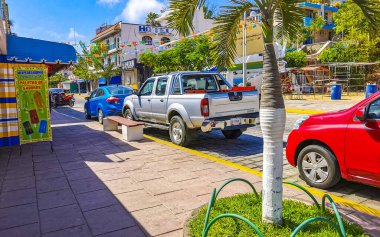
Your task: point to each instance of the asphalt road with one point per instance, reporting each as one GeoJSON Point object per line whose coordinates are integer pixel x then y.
{"type": "Point", "coordinates": [247, 151]}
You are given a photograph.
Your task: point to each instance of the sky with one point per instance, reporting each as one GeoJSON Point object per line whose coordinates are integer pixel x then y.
{"type": "Point", "coordinates": [75, 20]}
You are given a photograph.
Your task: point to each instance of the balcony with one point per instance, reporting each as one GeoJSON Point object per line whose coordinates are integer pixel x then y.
{"type": "Point", "coordinates": [307, 21]}
{"type": "Point", "coordinates": [113, 48]}
{"type": "Point", "coordinates": [328, 26]}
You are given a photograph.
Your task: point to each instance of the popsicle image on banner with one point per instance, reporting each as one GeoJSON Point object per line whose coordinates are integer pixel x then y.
{"type": "Point", "coordinates": [43, 128]}
{"type": "Point", "coordinates": [28, 128]}
{"type": "Point", "coordinates": [38, 101]}
{"type": "Point", "coordinates": [34, 116]}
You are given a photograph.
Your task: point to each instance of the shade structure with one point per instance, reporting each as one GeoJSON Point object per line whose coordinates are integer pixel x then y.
{"type": "Point", "coordinates": [115, 80]}
{"type": "Point", "coordinates": [102, 81]}
{"type": "Point", "coordinates": [21, 49]}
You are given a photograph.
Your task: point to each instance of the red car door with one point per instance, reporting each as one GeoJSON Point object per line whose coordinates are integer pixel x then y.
{"type": "Point", "coordinates": [363, 143]}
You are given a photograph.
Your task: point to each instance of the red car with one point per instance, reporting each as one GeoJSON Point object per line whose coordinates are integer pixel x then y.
{"type": "Point", "coordinates": [343, 144]}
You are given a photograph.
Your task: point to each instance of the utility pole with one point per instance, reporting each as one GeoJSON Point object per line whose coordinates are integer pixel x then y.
{"type": "Point", "coordinates": [244, 50]}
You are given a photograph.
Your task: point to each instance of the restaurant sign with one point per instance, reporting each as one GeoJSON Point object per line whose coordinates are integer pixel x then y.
{"type": "Point", "coordinates": [32, 103]}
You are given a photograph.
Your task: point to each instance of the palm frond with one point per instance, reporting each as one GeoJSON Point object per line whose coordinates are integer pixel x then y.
{"type": "Point", "coordinates": [226, 29]}
{"type": "Point", "coordinates": [371, 10]}
{"type": "Point", "coordinates": [182, 13]}
{"type": "Point", "coordinates": [288, 18]}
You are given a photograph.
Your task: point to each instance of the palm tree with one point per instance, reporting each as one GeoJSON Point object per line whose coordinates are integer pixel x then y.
{"type": "Point", "coordinates": [150, 19]}
{"type": "Point", "coordinates": [284, 17]}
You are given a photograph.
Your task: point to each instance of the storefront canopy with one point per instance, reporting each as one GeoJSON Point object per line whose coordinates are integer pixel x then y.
{"type": "Point", "coordinates": [115, 80]}
{"type": "Point", "coordinates": [20, 49]}
{"type": "Point", "coordinates": [102, 81]}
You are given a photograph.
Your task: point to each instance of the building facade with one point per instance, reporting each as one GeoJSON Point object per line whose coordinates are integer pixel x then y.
{"type": "Point", "coordinates": [311, 11]}
{"type": "Point", "coordinates": [126, 41]}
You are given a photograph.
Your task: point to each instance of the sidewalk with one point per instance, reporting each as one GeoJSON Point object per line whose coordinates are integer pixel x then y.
{"type": "Point", "coordinates": [95, 184]}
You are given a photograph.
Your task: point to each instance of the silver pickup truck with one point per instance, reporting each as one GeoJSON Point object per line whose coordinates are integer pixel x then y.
{"type": "Point", "coordinates": [189, 102]}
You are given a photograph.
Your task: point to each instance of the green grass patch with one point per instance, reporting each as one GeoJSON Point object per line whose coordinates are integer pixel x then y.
{"type": "Point", "coordinates": [249, 206]}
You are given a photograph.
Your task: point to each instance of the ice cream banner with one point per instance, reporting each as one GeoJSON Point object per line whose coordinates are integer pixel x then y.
{"type": "Point", "coordinates": [32, 103]}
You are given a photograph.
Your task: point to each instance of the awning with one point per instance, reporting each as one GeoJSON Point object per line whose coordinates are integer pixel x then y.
{"type": "Point", "coordinates": [20, 49]}
{"type": "Point", "coordinates": [102, 81]}
{"type": "Point", "coordinates": [115, 80]}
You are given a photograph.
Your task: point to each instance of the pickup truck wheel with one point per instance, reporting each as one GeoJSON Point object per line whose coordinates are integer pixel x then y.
{"type": "Point", "coordinates": [178, 132]}
{"type": "Point", "coordinates": [232, 134]}
{"type": "Point", "coordinates": [318, 167]}
{"type": "Point", "coordinates": [128, 114]}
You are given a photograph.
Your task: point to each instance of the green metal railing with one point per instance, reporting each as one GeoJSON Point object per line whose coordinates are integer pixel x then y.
{"type": "Point", "coordinates": [208, 224]}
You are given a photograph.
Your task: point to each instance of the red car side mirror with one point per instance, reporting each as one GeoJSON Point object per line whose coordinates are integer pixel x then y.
{"type": "Point", "coordinates": [360, 114]}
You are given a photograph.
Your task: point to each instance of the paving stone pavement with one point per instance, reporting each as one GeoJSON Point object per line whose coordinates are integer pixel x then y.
{"type": "Point", "coordinates": [95, 184]}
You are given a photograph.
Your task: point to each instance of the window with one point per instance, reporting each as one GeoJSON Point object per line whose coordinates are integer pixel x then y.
{"type": "Point", "coordinates": [147, 40]}
{"type": "Point", "coordinates": [100, 92]}
{"type": "Point", "coordinates": [147, 88]}
{"type": "Point", "coordinates": [161, 86]}
{"type": "Point", "coordinates": [310, 13]}
{"type": "Point", "coordinates": [374, 110]}
{"type": "Point", "coordinates": [176, 87]}
{"type": "Point", "coordinates": [165, 40]}
{"type": "Point", "coordinates": [93, 94]}
{"type": "Point", "coordinates": [199, 82]}
{"type": "Point", "coordinates": [119, 90]}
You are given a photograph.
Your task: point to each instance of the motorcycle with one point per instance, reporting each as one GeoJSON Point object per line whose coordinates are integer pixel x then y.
{"type": "Point", "coordinates": [61, 99]}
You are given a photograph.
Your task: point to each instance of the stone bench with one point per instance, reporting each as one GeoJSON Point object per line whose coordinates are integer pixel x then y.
{"type": "Point", "coordinates": [131, 130]}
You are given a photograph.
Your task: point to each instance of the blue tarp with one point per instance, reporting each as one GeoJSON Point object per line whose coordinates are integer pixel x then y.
{"type": "Point", "coordinates": [21, 49]}
{"type": "Point", "coordinates": [115, 80]}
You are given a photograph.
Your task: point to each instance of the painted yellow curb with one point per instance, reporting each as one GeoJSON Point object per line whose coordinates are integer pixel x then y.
{"type": "Point", "coordinates": [304, 111]}
{"type": "Point", "coordinates": [318, 193]}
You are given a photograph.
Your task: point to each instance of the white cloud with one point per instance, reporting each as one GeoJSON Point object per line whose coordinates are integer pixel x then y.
{"type": "Point", "coordinates": [108, 2]}
{"type": "Point", "coordinates": [136, 10]}
{"type": "Point", "coordinates": [74, 35]}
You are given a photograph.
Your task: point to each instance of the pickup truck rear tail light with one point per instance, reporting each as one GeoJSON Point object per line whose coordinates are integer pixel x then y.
{"type": "Point", "coordinates": [204, 107]}
{"type": "Point", "coordinates": [112, 99]}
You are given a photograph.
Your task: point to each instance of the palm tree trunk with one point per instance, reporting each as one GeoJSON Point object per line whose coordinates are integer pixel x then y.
{"type": "Point", "coordinates": [272, 119]}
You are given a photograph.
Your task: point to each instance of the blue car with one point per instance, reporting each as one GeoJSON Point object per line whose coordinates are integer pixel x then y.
{"type": "Point", "coordinates": [106, 101]}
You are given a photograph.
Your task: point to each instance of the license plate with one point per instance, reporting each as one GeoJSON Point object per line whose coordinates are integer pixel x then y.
{"type": "Point", "coordinates": [235, 121]}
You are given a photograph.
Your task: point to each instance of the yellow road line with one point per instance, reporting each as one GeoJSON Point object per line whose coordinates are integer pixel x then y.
{"type": "Point", "coordinates": [304, 111]}
{"type": "Point", "coordinates": [318, 193]}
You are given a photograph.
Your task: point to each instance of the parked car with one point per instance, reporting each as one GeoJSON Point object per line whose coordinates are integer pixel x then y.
{"type": "Point", "coordinates": [105, 101]}
{"type": "Point", "coordinates": [343, 144]}
{"type": "Point", "coordinates": [189, 102]}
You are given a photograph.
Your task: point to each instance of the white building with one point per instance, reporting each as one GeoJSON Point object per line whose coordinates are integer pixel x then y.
{"type": "Point", "coordinates": [200, 23]}
{"type": "Point", "coordinates": [126, 41]}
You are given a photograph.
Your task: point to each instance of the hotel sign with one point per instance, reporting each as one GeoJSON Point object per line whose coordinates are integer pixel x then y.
{"type": "Point", "coordinates": [144, 29]}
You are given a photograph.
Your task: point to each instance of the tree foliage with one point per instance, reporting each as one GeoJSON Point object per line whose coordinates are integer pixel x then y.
{"type": "Point", "coordinates": [188, 54]}
{"type": "Point", "coordinates": [150, 19]}
{"type": "Point", "coordinates": [56, 79]}
{"type": "Point", "coordinates": [340, 53]}
{"type": "Point", "coordinates": [92, 64]}
{"type": "Point", "coordinates": [360, 43]}
{"type": "Point", "coordinates": [295, 59]}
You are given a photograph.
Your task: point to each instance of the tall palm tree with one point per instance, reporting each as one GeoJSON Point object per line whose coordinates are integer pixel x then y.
{"type": "Point", "coordinates": [284, 17]}
{"type": "Point", "coordinates": [150, 19]}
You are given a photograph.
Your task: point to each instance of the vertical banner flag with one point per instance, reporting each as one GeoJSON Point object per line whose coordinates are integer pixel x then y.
{"type": "Point", "coordinates": [32, 103]}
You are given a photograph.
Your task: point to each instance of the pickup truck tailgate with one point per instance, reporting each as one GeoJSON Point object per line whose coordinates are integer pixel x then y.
{"type": "Point", "coordinates": [233, 103]}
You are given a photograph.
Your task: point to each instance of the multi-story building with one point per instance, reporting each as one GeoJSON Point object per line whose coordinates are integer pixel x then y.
{"type": "Point", "coordinates": [312, 10]}
{"type": "Point", "coordinates": [126, 41]}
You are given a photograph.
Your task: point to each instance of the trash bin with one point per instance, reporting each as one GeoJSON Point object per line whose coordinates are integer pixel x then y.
{"type": "Point", "coordinates": [336, 92]}
{"type": "Point", "coordinates": [370, 89]}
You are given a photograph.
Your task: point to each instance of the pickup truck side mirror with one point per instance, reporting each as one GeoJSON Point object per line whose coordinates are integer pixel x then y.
{"type": "Point", "coordinates": [136, 92]}
{"type": "Point", "coordinates": [360, 114]}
